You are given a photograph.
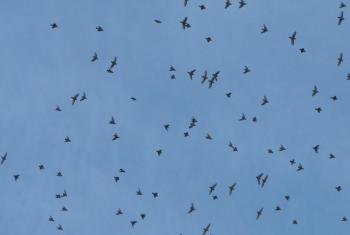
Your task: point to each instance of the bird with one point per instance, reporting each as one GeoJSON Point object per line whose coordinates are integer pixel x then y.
{"type": "Point", "coordinates": [60, 227]}
{"type": "Point", "coordinates": [314, 91]}
{"type": "Point", "coordinates": [292, 162]}
{"type": "Point", "coordinates": [157, 21]}
{"type": "Point", "coordinates": [143, 216]}
{"type": "Point", "coordinates": [16, 177]}
{"type": "Point", "coordinates": [264, 101]}
{"type": "Point", "coordinates": [234, 149]}
{"type": "Point", "coordinates": [318, 109]}
{"type": "Point", "coordinates": [270, 151]}
{"type": "Point", "coordinates": [215, 197]}
{"type": "Point", "coordinates": [166, 126]}
{"type": "Point", "coordinates": [67, 139]}
{"type": "Point", "coordinates": [186, 134]}
{"type": "Point", "coordinates": [112, 121]}
{"type": "Point", "coordinates": [254, 119]}
{"type": "Point", "coordinates": [191, 73]}
{"type": "Point", "coordinates": [119, 212]}
{"type": "Point", "coordinates": [264, 29]}
{"type": "Point", "coordinates": [172, 76]}
{"type": "Point", "coordinates": [192, 209]}
{"type": "Point", "coordinates": [242, 3]}
{"type": "Point", "coordinates": [59, 174]}
{"type": "Point", "coordinates": [206, 229]}
{"type": "Point", "coordinates": [287, 197]}
{"type": "Point", "coordinates": [53, 25]}
{"type": "Point", "coordinates": [208, 137]}
{"type": "Point", "coordinates": [202, 7]}
{"type": "Point", "coordinates": [344, 219]}
{"type": "Point", "coordinates": [259, 213]}
{"type": "Point", "coordinates": [232, 188]}
{"type": "Point", "coordinates": [133, 98]}
{"type": "Point", "coordinates": [258, 178]}
{"type": "Point", "coordinates": [3, 158]}
{"type": "Point", "coordinates": [227, 4]}
{"type": "Point", "coordinates": [212, 188]}
{"type": "Point", "coordinates": [228, 95]}
{"type": "Point", "coordinates": [340, 59]}
{"type": "Point", "coordinates": [342, 5]}
{"type": "Point", "coordinates": [155, 194]}
{"type": "Point", "coordinates": [295, 222]}
{"type": "Point", "coordinates": [348, 76]}
{"type": "Point", "coordinates": [338, 188]}
{"type": "Point", "coordinates": [172, 68]}
{"type": "Point", "coordinates": [334, 98]}
{"type": "Point", "coordinates": [58, 196]}
{"type": "Point", "coordinates": [109, 70]}
{"type": "Point", "coordinates": [185, 24]}
{"type": "Point", "coordinates": [302, 50]}
{"type": "Point", "coordinates": [139, 192]}
{"type": "Point", "coordinates": [282, 148]}
{"type": "Point", "coordinates": [246, 70]}
{"type": "Point", "coordinates": [133, 222]}
{"type": "Point", "coordinates": [121, 170]}
{"type": "Point", "coordinates": [204, 77]}
{"type": "Point", "coordinates": [113, 62]}
{"type": "Point", "coordinates": [243, 118]}
{"type": "Point", "coordinates": [300, 167]}
{"type": "Point", "coordinates": [208, 39]}
{"type": "Point", "coordinates": [83, 97]}
{"type": "Point", "coordinates": [51, 219]}
{"type": "Point", "coordinates": [94, 57]}
{"type": "Point", "coordinates": [185, 2]}
{"type": "Point", "coordinates": [116, 178]}
{"type": "Point", "coordinates": [331, 156]}
{"type": "Point", "coordinates": [278, 208]}
{"type": "Point", "coordinates": [99, 29]}
{"type": "Point", "coordinates": [41, 167]}
{"type": "Point", "coordinates": [316, 148]}
{"type": "Point", "coordinates": [64, 208]}
{"type": "Point", "coordinates": [264, 180]}
{"type": "Point", "coordinates": [341, 18]}
{"type": "Point", "coordinates": [64, 194]}
{"type": "Point", "coordinates": [293, 38]}
{"type": "Point", "coordinates": [74, 98]}
{"type": "Point", "coordinates": [58, 108]}
{"type": "Point", "coordinates": [159, 152]}
{"type": "Point", "coordinates": [115, 136]}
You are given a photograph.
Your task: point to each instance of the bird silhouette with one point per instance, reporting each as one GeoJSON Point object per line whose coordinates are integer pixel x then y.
{"type": "Point", "coordinates": [293, 38]}
{"type": "Point", "coordinates": [3, 158]}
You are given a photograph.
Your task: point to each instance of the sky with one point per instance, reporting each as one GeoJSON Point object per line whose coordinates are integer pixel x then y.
{"type": "Point", "coordinates": [42, 67]}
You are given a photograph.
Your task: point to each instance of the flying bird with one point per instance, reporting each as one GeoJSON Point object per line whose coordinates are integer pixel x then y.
{"type": "Point", "coordinates": [234, 149]}
{"type": "Point", "coordinates": [3, 158]}
{"type": "Point", "coordinates": [16, 177]}
{"type": "Point", "coordinates": [246, 70]}
{"type": "Point", "coordinates": [133, 223]}
{"type": "Point", "coordinates": [232, 188]}
{"type": "Point", "coordinates": [259, 213]}
{"type": "Point", "coordinates": [192, 208]}
{"type": "Point", "coordinates": [342, 5]}
{"type": "Point", "coordinates": [206, 229]}
{"type": "Point", "coordinates": [264, 101]}
{"type": "Point", "coordinates": [202, 7]}
{"type": "Point", "coordinates": [227, 4]}
{"type": "Point", "coordinates": [293, 38]}
{"type": "Point", "coordinates": [314, 91]}
{"type": "Point", "coordinates": [158, 21]}
{"type": "Point", "coordinates": [212, 188]}
{"type": "Point", "coordinates": [159, 152]}
{"type": "Point", "coordinates": [83, 97]}
{"type": "Point", "coordinates": [264, 181]}
{"type": "Point", "coordinates": [99, 29]}
{"type": "Point", "coordinates": [112, 121]}
{"type": "Point", "coordinates": [185, 24]}
{"type": "Point", "coordinates": [74, 98]}
{"type": "Point", "coordinates": [300, 167]}
{"type": "Point", "coordinates": [258, 178]}
{"type": "Point", "coordinates": [94, 57]}
{"type": "Point", "coordinates": [119, 212]}
{"type": "Point", "coordinates": [242, 3]}
{"type": "Point", "coordinates": [115, 136]}
{"type": "Point", "coordinates": [282, 148]}
{"type": "Point", "coordinates": [53, 25]}
{"type": "Point", "coordinates": [191, 73]}
{"type": "Point", "coordinates": [264, 29]}
{"type": "Point", "coordinates": [58, 108]}
{"type": "Point", "coordinates": [341, 18]}
{"type": "Point", "coordinates": [316, 148]}
{"type": "Point", "coordinates": [340, 59]}
{"type": "Point", "coordinates": [243, 118]}
{"type": "Point", "coordinates": [67, 139]}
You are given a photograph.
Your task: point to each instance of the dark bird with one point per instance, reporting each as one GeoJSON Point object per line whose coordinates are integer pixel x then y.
{"type": "Point", "coordinates": [155, 195]}
{"type": "Point", "coordinates": [67, 139]}
{"type": "Point", "coordinates": [208, 137]}
{"type": "Point", "coordinates": [287, 197]}
{"type": "Point", "coordinates": [185, 2]}
{"type": "Point", "coordinates": [109, 70]}
{"type": "Point", "coordinates": [112, 121]}
{"type": "Point", "coordinates": [184, 23]}
{"type": "Point", "coordinates": [295, 222]}
{"type": "Point", "coordinates": [171, 69]}
{"type": "Point", "coordinates": [318, 109]}
{"type": "Point", "coordinates": [348, 76]}
{"type": "Point", "coordinates": [259, 213]}
{"type": "Point", "coordinates": [116, 178]}
{"type": "Point", "coordinates": [342, 5]}
{"type": "Point", "coordinates": [64, 194]}
{"type": "Point", "coordinates": [228, 95]}
{"type": "Point", "coordinates": [191, 73]}
{"type": "Point", "coordinates": [41, 167]}
{"type": "Point", "coordinates": [172, 76]}
{"type": "Point", "coordinates": [258, 178]}
{"type": "Point", "coordinates": [53, 25]}
{"type": "Point", "coordinates": [208, 39]}
{"type": "Point", "coordinates": [316, 148]}
{"type": "Point", "coordinates": [270, 151]}
{"type": "Point", "coordinates": [158, 21]}
{"type": "Point", "coordinates": [334, 98]}
{"type": "Point", "coordinates": [341, 18]}
{"type": "Point", "coordinates": [59, 174]}
{"type": "Point", "coordinates": [212, 188]}
{"type": "Point", "coordinates": [293, 38]}
{"type": "Point", "coordinates": [246, 70]}
{"type": "Point", "coordinates": [3, 158]}
{"type": "Point", "coordinates": [139, 192]}
{"type": "Point", "coordinates": [192, 208]}
{"type": "Point", "coordinates": [234, 149]}
{"type": "Point", "coordinates": [302, 50]}
{"type": "Point", "coordinates": [113, 62]}
{"type": "Point", "coordinates": [60, 227]}
{"type": "Point", "coordinates": [51, 219]}
{"type": "Point", "coordinates": [58, 108]}
{"type": "Point", "coordinates": [278, 208]}
{"type": "Point", "coordinates": [292, 162]}
{"type": "Point", "coordinates": [331, 156]}
{"type": "Point", "coordinates": [340, 59]}
{"type": "Point", "coordinates": [215, 197]}
{"type": "Point", "coordinates": [159, 152]}
{"type": "Point", "coordinates": [115, 136]}
{"type": "Point", "coordinates": [143, 216]}
{"type": "Point", "coordinates": [119, 212]}
{"type": "Point", "coordinates": [121, 170]}
{"type": "Point", "coordinates": [282, 148]}
{"type": "Point", "coordinates": [202, 7]}
{"type": "Point", "coordinates": [264, 101]}
{"type": "Point", "coordinates": [264, 29]}
{"type": "Point", "coordinates": [186, 134]}
{"type": "Point", "coordinates": [242, 3]}
{"type": "Point", "coordinates": [206, 229]}
{"type": "Point", "coordinates": [94, 57]}
{"type": "Point", "coordinates": [99, 29]}
{"type": "Point", "coordinates": [74, 98]}
{"type": "Point", "coordinates": [314, 91]}
{"type": "Point", "coordinates": [64, 208]}
{"type": "Point", "coordinates": [16, 177]}
{"type": "Point", "coordinates": [227, 4]}
{"type": "Point", "coordinates": [166, 126]}
{"type": "Point", "coordinates": [133, 222]}
{"type": "Point", "coordinates": [254, 119]}
{"type": "Point", "coordinates": [338, 188]}
{"type": "Point", "coordinates": [83, 97]}
{"type": "Point", "coordinates": [204, 76]}
{"type": "Point", "coordinates": [231, 188]}
{"type": "Point", "coordinates": [243, 118]}
{"type": "Point", "coordinates": [300, 167]}
{"type": "Point", "coordinates": [264, 181]}
{"type": "Point", "coordinates": [344, 219]}
{"type": "Point", "coordinates": [133, 98]}
{"type": "Point", "coordinates": [58, 196]}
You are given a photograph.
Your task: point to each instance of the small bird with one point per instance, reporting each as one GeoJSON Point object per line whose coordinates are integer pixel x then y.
{"type": "Point", "coordinates": [172, 68]}
{"type": "Point", "coordinates": [74, 98]}
{"type": "Point", "coordinates": [264, 29]}
{"type": "Point", "coordinates": [53, 25]}
{"type": "Point", "coordinates": [212, 188]}
{"type": "Point", "coordinates": [228, 95]}
{"type": "Point", "coordinates": [331, 156]}
{"type": "Point", "coordinates": [115, 136]}
{"type": "Point", "coordinates": [143, 216]}
{"type": "Point", "coordinates": [246, 70]}
{"type": "Point", "coordinates": [139, 192]}
{"type": "Point", "coordinates": [166, 127]}
{"type": "Point", "coordinates": [264, 181]}
{"type": "Point", "coordinates": [208, 137]}
{"type": "Point", "coordinates": [295, 222]}
{"type": "Point", "coordinates": [133, 98]}
{"type": "Point", "coordinates": [208, 39]}
{"type": "Point", "coordinates": [99, 29]}
{"type": "Point", "coordinates": [67, 139]}
{"type": "Point", "coordinates": [254, 119]}
{"type": "Point", "coordinates": [278, 208]}
{"type": "Point", "coordinates": [119, 212]}
{"type": "Point", "coordinates": [60, 227]}
{"type": "Point", "coordinates": [191, 73]}
{"type": "Point", "coordinates": [58, 196]}
{"type": "Point", "coordinates": [314, 91]}
{"type": "Point", "coordinates": [235, 149]}
{"type": "Point", "coordinates": [293, 38]}
{"type": "Point", "coordinates": [185, 2]}
{"type": "Point", "coordinates": [259, 213]}
{"type": "Point", "coordinates": [243, 118]}
{"type": "Point", "coordinates": [204, 77]}
{"type": "Point", "coordinates": [172, 76]}
{"type": "Point", "coordinates": [192, 208]}
{"type": "Point", "coordinates": [282, 148]}
{"type": "Point", "coordinates": [64, 208]}
{"type": "Point", "coordinates": [109, 70]}
{"type": "Point", "coordinates": [16, 177]}
{"type": "Point", "coordinates": [292, 162]}
{"type": "Point", "coordinates": [300, 167]}
{"type": "Point", "coordinates": [155, 195]}
{"type": "Point", "coordinates": [338, 188]}
{"type": "Point", "coordinates": [112, 121]}
{"type": "Point", "coordinates": [59, 174]}
{"type": "Point", "coordinates": [340, 59]}
{"type": "Point", "coordinates": [227, 4]}
{"type": "Point", "coordinates": [159, 152]}
{"type": "Point", "coordinates": [121, 170]}
{"type": "Point", "coordinates": [302, 50]}
{"type": "Point", "coordinates": [318, 109]}
{"type": "Point", "coordinates": [334, 98]}
{"type": "Point", "coordinates": [51, 219]}
{"type": "Point", "coordinates": [287, 197]}
{"type": "Point", "coordinates": [94, 57]}
{"type": "Point", "coordinates": [215, 197]}
{"type": "Point", "coordinates": [113, 62]}
{"type": "Point", "coordinates": [41, 167]}
{"type": "Point", "coordinates": [83, 97]}
{"type": "Point", "coordinates": [202, 7]}
{"type": "Point", "coordinates": [3, 158]}
{"type": "Point", "coordinates": [186, 134]}
{"type": "Point", "coordinates": [258, 178]}
{"type": "Point", "coordinates": [341, 18]}
{"type": "Point", "coordinates": [133, 222]}
{"type": "Point", "coordinates": [206, 229]}
{"type": "Point", "coordinates": [270, 151]}
{"type": "Point", "coordinates": [58, 108]}
{"type": "Point", "coordinates": [344, 219]}
{"type": "Point", "coordinates": [242, 3]}
{"type": "Point", "coordinates": [316, 148]}
{"type": "Point", "coordinates": [342, 5]}
{"type": "Point", "coordinates": [116, 178]}
{"type": "Point", "coordinates": [185, 24]}
{"type": "Point", "coordinates": [157, 21]}
{"type": "Point", "coordinates": [232, 188]}
{"type": "Point", "coordinates": [264, 101]}
{"type": "Point", "coordinates": [348, 76]}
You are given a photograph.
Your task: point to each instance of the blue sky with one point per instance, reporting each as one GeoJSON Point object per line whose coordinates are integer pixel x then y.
{"type": "Point", "coordinates": [41, 68]}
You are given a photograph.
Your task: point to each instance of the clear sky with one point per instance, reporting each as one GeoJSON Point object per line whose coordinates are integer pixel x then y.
{"type": "Point", "coordinates": [42, 67]}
